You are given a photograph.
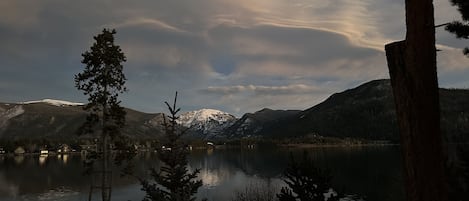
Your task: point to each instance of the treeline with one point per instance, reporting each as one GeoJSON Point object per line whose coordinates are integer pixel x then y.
{"type": "Point", "coordinates": [34, 145]}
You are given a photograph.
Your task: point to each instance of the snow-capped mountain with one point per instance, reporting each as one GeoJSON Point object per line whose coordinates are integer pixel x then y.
{"type": "Point", "coordinates": [208, 122]}
{"type": "Point", "coordinates": [53, 102]}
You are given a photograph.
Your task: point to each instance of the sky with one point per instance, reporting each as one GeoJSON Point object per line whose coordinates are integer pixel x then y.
{"type": "Point", "coordinates": [236, 56]}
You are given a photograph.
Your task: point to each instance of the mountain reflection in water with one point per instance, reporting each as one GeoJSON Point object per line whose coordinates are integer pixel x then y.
{"type": "Point", "coordinates": [372, 172]}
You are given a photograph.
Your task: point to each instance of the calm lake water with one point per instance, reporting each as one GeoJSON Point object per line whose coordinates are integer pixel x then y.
{"type": "Point", "coordinates": [371, 172]}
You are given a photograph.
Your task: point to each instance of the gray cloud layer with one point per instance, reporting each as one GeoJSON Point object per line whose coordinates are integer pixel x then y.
{"type": "Point", "coordinates": [238, 56]}
{"type": "Point", "coordinates": [266, 90]}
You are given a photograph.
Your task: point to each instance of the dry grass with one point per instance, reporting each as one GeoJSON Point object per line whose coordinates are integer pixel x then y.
{"type": "Point", "coordinates": [259, 191]}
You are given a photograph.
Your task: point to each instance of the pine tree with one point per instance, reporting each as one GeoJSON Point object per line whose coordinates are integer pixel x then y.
{"type": "Point", "coordinates": [102, 81]}
{"type": "Point", "coordinates": [306, 182]}
{"type": "Point", "coordinates": [461, 28]}
{"type": "Point", "coordinates": [173, 181]}
{"type": "Point", "coordinates": [460, 182]}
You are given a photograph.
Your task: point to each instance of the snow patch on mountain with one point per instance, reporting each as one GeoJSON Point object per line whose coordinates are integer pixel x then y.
{"type": "Point", "coordinates": [10, 113]}
{"type": "Point", "coordinates": [53, 102]}
{"type": "Point", "coordinates": [208, 121]}
{"type": "Point", "coordinates": [203, 116]}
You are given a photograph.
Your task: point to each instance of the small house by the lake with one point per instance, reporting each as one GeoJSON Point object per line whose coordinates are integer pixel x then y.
{"type": "Point", "coordinates": [88, 148]}
{"type": "Point", "coordinates": [19, 151]}
{"type": "Point", "coordinates": [64, 148]}
{"type": "Point", "coordinates": [44, 152]}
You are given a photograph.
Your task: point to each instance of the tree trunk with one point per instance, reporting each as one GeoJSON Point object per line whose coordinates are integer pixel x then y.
{"type": "Point", "coordinates": [412, 68]}
{"type": "Point", "coordinates": [106, 185]}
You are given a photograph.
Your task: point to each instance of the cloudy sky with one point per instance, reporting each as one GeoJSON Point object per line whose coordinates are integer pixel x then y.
{"type": "Point", "coordinates": [236, 56]}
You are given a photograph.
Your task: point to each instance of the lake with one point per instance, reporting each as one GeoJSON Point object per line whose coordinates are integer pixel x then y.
{"type": "Point", "coordinates": [374, 173]}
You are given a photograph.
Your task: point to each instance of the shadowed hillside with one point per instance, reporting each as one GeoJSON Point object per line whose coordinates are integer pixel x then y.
{"type": "Point", "coordinates": [366, 112]}
{"type": "Point", "coordinates": [256, 124]}
{"type": "Point", "coordinates": [42, 120]}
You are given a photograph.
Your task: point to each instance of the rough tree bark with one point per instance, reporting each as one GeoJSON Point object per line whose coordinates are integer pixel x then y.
{"type": "Point", "coordinates": [412, 68]}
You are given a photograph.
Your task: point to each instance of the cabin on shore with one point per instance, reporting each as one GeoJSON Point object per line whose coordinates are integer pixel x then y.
{"type": "Point", "coordinates": [44, 152]}
{"type": "Point", "coordinates": [85, 148]}
{"type": "Point", "coordinates": [210, 145]}
{"type": "Point", "coordinates": [19, 151]}
{"type": "Point", "coordinates": [64, 148]}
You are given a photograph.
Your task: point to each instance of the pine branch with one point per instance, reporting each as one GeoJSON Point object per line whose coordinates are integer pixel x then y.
{"type": "Point", "coordinates": [461, 30]}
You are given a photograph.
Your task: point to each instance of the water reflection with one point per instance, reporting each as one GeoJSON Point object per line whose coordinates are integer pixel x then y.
{"type": "Point", "coordinates": [209, 178]}
{"type": "Point", "coordinates": [42, 159]}
{"type": "Point", "coordinates": [7, 189]}
{"type": "Point", "coordinates": [374, 173]}
{"type": "Point", "coordinates": [19, 159]}
{"type": "Point", "coordinates": [57, 194]}
{"type": "Point", "coordinates": [371, 172]}
{"type": "Point", "coordinates": [209, 151]}
{"type": "Point", "coordinates": [63, 158]}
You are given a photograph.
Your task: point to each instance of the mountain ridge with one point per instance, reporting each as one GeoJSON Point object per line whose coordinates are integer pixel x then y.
{"type": "Point", "coordinates": [363, 112]}
{"type": "Point", "coordinates": [368, 112]}
{"type": "Point", "coordinates": [54, 102]}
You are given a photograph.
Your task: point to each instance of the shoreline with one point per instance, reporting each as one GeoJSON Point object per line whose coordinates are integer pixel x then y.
{"type": "Point", "coordinates": [334, 145]}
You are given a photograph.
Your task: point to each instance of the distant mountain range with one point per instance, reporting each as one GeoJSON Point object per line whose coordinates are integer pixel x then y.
{"type": "Point", "coordinates": [365, 112]}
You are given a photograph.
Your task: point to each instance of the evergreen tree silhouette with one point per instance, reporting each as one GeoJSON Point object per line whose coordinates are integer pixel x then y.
{"type": "Point", "coordinates": [306, 182]}
{"type": "Point", "coordinates": [102, 81]}
{"type": "Point", "coordinates": [461, 28]}
{"type": "Point", "coordinates": [173, 181]}
{"type": "Point", "coordinates": [460, 183]}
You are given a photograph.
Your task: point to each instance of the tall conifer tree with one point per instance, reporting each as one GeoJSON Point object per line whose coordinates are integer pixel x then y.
{"type": "Point", "coordinates": [102, 81]}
